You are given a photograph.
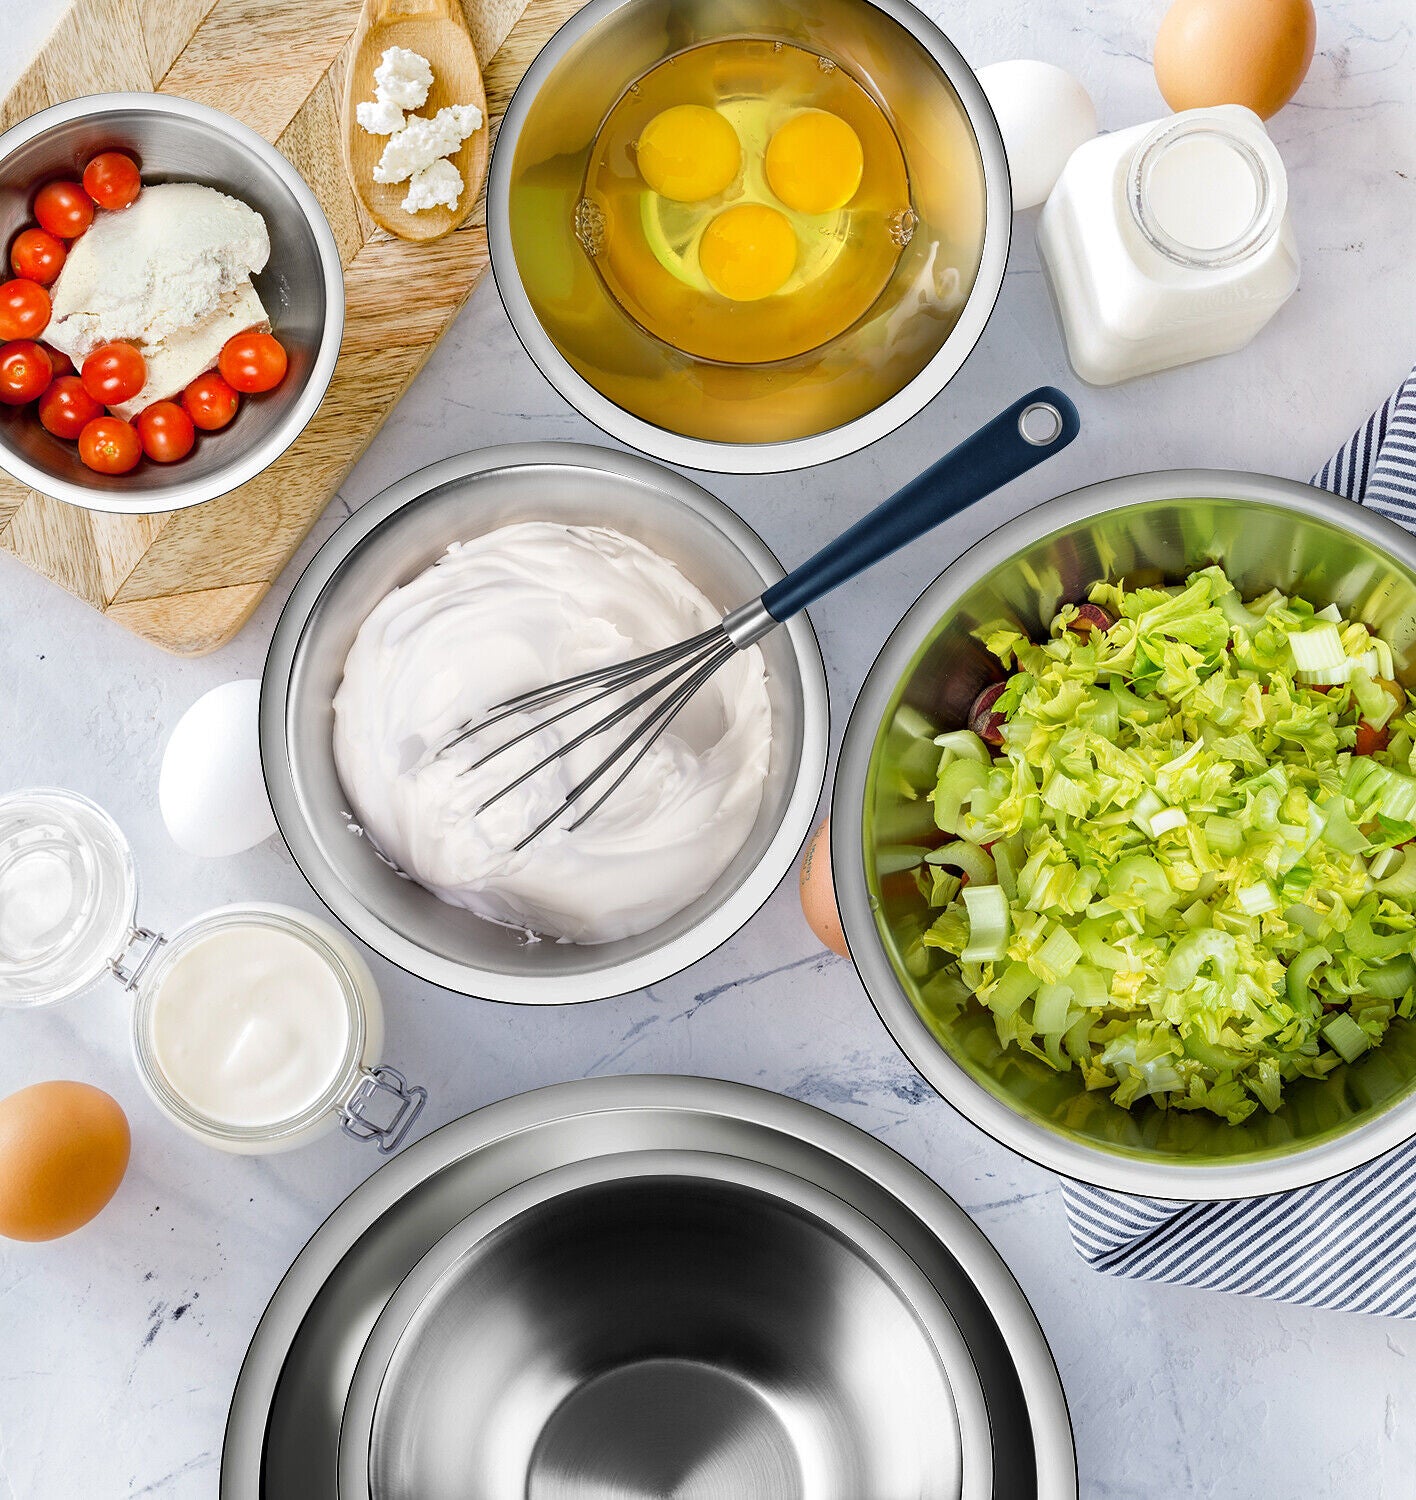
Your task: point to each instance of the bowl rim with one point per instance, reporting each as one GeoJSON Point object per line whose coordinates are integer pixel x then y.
{"type": "Point", "coordinates": [967, 1417]}
{"type": "Point", "coordinates": [842, 1148]}
{"type": "Point", "coordinates": [1131, 1174]}
{"type": "Point", "coordinates": [796, 453]}
{"type": "Point", "coordinates": [808, 781]}
{"type": "Point", "coordinates": [297, 417]}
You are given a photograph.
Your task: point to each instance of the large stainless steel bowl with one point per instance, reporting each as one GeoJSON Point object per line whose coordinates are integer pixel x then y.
{"type": "Point", "coordinates": [751, 418]}
{"type": "Point", "coordinates": [391, 540]}
{"type": "Point", "coordinates": [666, 1322]}
{"type": "Point", "coordinates": [295, 1387]}
{"type": "Point", "coordinates": [1267, 533]}
{"type": "Point", "coordinates": [302, 288]}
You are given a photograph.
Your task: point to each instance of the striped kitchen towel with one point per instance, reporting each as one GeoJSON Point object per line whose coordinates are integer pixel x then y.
{"type": "Point", "coordinates": [1346, 1243]}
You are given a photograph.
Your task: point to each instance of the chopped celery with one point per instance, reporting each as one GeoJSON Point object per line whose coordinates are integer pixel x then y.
{"type": "Point", "coordinates": [1195, 879]}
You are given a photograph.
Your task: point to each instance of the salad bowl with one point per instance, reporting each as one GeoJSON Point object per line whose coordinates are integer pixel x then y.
{"type": "Point", "coordinates": [1266, 533]}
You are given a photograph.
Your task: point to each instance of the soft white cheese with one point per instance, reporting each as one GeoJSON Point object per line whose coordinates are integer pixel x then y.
{"type": "Point", "coordinates": [438, 185]}
{"type": "Point", "coordinates": [403, 79]}
{"type": "Point", "coordinates": [173, 364]}
{"type": "Point", "coordinates": [422, 141]}
{"type": "Point", "coordinates": [158, 267]}
{"type": "Point", "coordinates": [378, 117]}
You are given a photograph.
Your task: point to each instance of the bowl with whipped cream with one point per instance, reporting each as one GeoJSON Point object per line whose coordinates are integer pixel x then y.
{"type": "Point", "coordinates": [487, 576]}
{"type": "Point", "coordinates": [224, 240]}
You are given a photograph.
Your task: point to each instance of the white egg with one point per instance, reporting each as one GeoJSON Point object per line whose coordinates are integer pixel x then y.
{"type": "Point", "coordinates": [1044, 114]}
{"type": "Point", "coordinates": [211, 790]}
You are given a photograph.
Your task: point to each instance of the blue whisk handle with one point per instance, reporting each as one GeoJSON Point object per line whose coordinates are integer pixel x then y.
{"type": "Point", "coordinates": [1032, 429]}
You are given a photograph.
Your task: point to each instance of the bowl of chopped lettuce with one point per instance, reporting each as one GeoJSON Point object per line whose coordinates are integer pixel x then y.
{"type": "Point", "coordinates": [1124, 834]}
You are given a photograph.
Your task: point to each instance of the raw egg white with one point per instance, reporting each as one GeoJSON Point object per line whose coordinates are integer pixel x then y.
{"type": "Point", "coordinates": [818, 892]}
{"type": "Point", "coordinates": [1249, 52]}
{"type": "Point", "coordinates": [63, 1152]}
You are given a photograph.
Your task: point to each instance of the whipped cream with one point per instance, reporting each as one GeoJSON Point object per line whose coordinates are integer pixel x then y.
{"type": "Point", "coordinates": [514, 610]}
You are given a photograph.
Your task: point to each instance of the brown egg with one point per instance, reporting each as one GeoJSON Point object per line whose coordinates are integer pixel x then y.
{"type": "Point", "coordinates": [63, 1152]}
{"type": "Point", "coordinates": [818, 892]}
{"type": "Point", "coordinates": [1250, 52]}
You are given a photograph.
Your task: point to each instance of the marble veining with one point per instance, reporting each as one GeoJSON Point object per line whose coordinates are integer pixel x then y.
{"type": "Point", "coordinates": [119, 1347]}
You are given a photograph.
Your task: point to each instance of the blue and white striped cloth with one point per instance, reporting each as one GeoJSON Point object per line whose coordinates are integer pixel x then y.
{"type": "Point", "coordinates": [1347, 1243]}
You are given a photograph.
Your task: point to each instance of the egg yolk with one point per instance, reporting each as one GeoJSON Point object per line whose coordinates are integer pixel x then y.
{"type": "Point", "coordinates": [688, 152]}
{"type": "Point", "coordinates": [814, 162]}
{"type": "Point", "coordinates": [748, 251]}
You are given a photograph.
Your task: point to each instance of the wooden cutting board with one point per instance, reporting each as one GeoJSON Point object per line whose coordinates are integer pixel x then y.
{"type": "Point", "coordinates": [190, 580]}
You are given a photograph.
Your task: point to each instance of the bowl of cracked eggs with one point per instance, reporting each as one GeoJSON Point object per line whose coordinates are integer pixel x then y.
{"type": "Point", "coordinates": [749, 237]}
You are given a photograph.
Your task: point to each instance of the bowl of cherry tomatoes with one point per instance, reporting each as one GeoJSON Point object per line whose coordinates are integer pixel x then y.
{"type": "Point", "coordinates": [74, 432]}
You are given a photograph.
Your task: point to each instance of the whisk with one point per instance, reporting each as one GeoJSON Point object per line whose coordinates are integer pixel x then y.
{"type": "Point", "coordinates": [661, 682]}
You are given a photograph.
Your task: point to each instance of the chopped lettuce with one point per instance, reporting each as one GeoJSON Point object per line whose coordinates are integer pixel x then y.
{"type": "Point", "coordinates": [1188, 870]}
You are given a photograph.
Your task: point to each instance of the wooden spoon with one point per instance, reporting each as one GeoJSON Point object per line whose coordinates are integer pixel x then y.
{"type": "Point", "coordinates": [437, 30]}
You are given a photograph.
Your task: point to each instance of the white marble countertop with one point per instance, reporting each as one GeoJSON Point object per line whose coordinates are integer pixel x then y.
{"type": "Point", "coordinates": [119, 1346]}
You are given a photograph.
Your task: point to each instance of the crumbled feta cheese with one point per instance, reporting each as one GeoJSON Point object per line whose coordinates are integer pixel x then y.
{"type": "Point", "coordinates": [422, 141]}
{"type": "Point", "coordinates": [403, 79]}
{"type": "Point", "coordinates": [430, 187]}
{"type": "Point", "coordinates": [379, 118]}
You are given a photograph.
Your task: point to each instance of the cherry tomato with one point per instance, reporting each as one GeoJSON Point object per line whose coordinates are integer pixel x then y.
{"type": "Point", "coordinates": [25, 371]}
{"type": "Point", "coordinates": [166, 431]}
{"type": "Point", "coordinates": [108, 445]}
{"type": "Point", "coordinates": [210, 402]}
{"type": "Point", "coordinates": [64, 209]}
{"type": "Point", "coordinates": [37, 255]}
{"type": "Point", "coordinates": [113, 373]}
{"type": "Point", "coordinates": [1370, 739]}
{"type": "Point", "coordinates": [252, 362]}
{"type": "Point", "coordinates": [111, 179]}
{"type": "Point", "coordinates": [63, 365]}
{"type": "Point", "coordinates": [66, 408]}
{"type": "Point", "coordinates": [24, 309]}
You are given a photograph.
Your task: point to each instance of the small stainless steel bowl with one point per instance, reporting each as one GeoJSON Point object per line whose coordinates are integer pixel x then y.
{"type": "Point", "coordinates": [302, 288]}
{"type": "Point", "coordinates": [665, 1322]}
{"type": "Point", "coordinates": [746, 418]}
{"type": "Point", "coordinates": [395, 537]}
{"type": "Point", "coordinates": [1267, 533]}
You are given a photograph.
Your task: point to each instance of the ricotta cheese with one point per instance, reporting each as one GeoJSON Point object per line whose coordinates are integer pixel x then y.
{"type": "Point", "coordinates": [378, 117]}
{"type": "Point", "coordinates": [176, 362]}
{"type": "Point", "coordinates": [423, 141]}
{"type": "Point", "coordinates": [438, 185]}
{"type": "Point", "coordinates": [402, 79]}
{"type": "Point", "coordinates": [159, 267]}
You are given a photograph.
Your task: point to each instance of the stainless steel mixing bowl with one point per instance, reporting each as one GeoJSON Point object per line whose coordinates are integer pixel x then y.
{"type": "Point", "coordinates": [392, 539]}
{"type": "Point", "coordinates": [302, 288]}
{"type": "Point", "coordinates": [665, 1322]}
{"type": "Point", "coordinates": [282, 1438]}
{"type": "Point", "coordinates": [793, 413]}
{"type": "Point", "coordinates": [1267, 533]}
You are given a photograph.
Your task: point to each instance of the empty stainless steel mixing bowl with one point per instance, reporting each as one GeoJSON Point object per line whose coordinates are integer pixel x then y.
{"type": "Point", "coordinates": [796, 412]}
{"type": "Point", "coordinates": [392, 539]}
{"type": "Point", "coordinates": [665, 1322]}
{"type": "Point", "coordinates": [302, 287]}
{"type": "Point", "coordinates": [1267, 533]}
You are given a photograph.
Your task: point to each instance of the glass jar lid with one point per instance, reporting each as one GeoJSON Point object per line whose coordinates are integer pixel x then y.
{"type": "Point", "coordinates": [68, 895]}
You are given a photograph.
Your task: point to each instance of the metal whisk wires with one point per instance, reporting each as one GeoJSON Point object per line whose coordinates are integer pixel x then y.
{"type": "Point", "coordinates": [671, 676]}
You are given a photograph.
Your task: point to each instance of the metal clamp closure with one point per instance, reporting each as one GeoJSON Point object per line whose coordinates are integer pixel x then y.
{"type": "Point", "coordinates": [128, 968]}
{"type": "Point", "coordinates": [382, 1089]}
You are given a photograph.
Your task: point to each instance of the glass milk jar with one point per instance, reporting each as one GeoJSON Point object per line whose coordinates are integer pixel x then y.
{"type": "Point", "coordinates": [255, 1028]}
{"type": "Point", "coordinates": [1168, 243]}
